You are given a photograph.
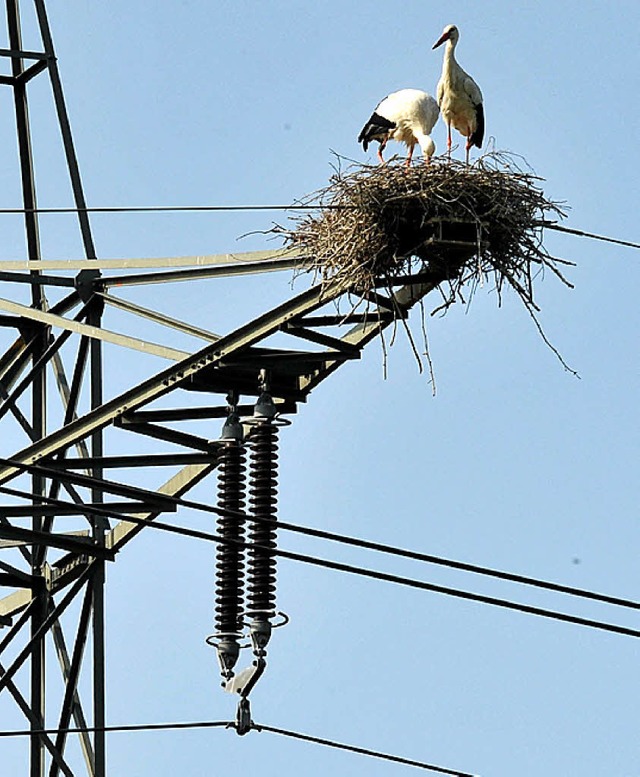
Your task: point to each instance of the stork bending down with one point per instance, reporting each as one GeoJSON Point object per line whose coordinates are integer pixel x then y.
{"type": "Point", "coordinates": [407, 116]}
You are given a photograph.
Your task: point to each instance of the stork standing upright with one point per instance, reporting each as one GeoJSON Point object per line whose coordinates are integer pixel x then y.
{"type": "Point", "coordinates": [459, 97]}
{"type": "Point", "coordinates": [407, 116]}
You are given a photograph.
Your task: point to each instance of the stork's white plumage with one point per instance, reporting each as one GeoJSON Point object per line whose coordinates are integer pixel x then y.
{"type": "Point", "coordinates": [459, 97]}
{"type": "Point", "coordinates": [407, 116]}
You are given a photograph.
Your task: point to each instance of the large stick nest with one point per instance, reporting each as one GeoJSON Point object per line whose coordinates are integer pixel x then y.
{"type": "Point", "coordinates": [456, 224]}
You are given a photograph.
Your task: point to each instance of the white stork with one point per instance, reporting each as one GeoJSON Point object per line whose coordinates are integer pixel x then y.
{"type": "Point", "coordinates": [407, 116]}
{"type": "Point", "coordinates": [459, 97]}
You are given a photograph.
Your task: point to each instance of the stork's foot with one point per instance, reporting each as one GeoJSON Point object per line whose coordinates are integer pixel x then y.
{"type": "Point", "coordinates": [407, 163]}
{"type": "Point", "coordinates": [468, 147]}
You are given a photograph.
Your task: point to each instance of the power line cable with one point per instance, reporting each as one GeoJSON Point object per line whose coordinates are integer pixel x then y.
{"type": "Point", "coordinates": [360, 750]}
{"type": "Point", "coordinates": [256, 208]}
{"type": "Point", "coordinates": [591, 235]}
{"type": "Point", "coordinates": [207, 724]}
{"type": "Point", "coordinates": [382, 576]}
{"type": "Point", "coordinates": [424, 557]}
{"type": "Point", "coordinates": [409, 582]}
{"type": "Point", "coordinates": [350, 569]}
{"type": "Point", "coordinates": [175, 208]}
{"type": "Point", "coordinates": [360, 543]}
{"type": "Point", "coordinates": [116, 729]}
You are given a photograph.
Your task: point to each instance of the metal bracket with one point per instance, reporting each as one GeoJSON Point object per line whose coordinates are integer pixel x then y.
{"type": "Point", "coordinates": [244, 724]}
{"type": "Point", "coordinates": [252, 674]}
{"type": "Point", "coordinates": [85, 282]}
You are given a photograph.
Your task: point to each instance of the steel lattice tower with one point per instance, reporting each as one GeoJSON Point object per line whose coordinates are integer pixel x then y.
{"type": "Point", "coordinates": [53, 357]}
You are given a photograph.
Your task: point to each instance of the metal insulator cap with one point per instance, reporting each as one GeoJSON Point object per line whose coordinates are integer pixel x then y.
{"type": "Point", "coordinates": [260, 633]}
{"type": "Point", "coordinates": [228, 651]}
{"type": "Point", "coordinates": [265, 406]}
{"type": "Point", "coordinates": [232, 429]}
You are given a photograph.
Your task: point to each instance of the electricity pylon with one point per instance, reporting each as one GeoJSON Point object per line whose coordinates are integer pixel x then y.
{"type": "Point", "coordinates": [54, 390]}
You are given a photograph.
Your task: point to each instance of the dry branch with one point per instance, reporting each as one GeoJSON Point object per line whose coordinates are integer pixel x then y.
{"type": "Point", "coordinates": [448, 222]}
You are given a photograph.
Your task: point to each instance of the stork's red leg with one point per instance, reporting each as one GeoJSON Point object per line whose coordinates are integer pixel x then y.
{"type": "Point", "coordinates": [449, 140]}
{"type": "Point", "coordinates": [381, 148]}
{"type": "Point", "coordinates": [410, 155]}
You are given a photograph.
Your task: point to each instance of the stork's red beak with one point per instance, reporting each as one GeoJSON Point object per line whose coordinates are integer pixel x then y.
{"type": "Point", "coordinates": [441, 40]}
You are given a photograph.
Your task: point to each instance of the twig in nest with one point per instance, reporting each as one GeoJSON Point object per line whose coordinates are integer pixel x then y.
{"type": "Point", "coordinates": [455, 224]}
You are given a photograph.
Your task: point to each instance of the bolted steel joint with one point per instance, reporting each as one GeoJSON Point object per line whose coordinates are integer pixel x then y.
{"type": "Point", "coordinates": [243, 717]}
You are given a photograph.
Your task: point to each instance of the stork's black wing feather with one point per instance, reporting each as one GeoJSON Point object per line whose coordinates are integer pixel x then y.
{"type": "Point", "coordinates": [478, 135]}
{"type": "Point", "coordinates": [375, 129]}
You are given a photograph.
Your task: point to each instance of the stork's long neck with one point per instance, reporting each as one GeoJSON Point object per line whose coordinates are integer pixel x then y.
{"type": "Point", "coordinates": [449, 63]}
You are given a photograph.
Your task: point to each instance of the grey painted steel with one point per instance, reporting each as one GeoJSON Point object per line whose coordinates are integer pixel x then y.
{"type": "Point", "coordinates": [73, 673]}
{"type": "Point", "coordinates": [24, 511]}
{"type": "Point", "coordinates": [37, 635]}
{"type": "Point", "coordinates": [65, 129]}
{"type": "Point", "coordinates": [173, 377]}
{"type": "Point", "coordinates": [50, 539]}
{"type": "Point", "coordinates": [178, 485]}
{"type": "Point", "coordinates": [44, 738]}
{"type": "Point", "coordinates": [227, 271]}
{"type": "Point", "coordinates": [40, 617]}
{"type": "Point", "coordinates": [40, 280]}
{"type": "Point", "coordinates": [76, 705]}
{"type": "Point", "coordinates": [149, 460]}
{"type": "Point", "coordinates": [99, 526]}
{"type": "Point", "coordinates": [159, 318]}
{"type": "Point", "coordinates": [75, 561]}
{"type": "Point", "coordinates": [13, 52]}
{"type": "Point", "coordinates": [94, 332]}
{"type": "Point", "coordinates": [205, 260]}
{"type": "Point", "coordinates": [16, 602]}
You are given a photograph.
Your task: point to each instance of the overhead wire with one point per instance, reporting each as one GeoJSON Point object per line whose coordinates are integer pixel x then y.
{"type": "Point", "coordinates": [360, 750]}
{"type": "Point", "coordinates": [428, 558]}
{"type": "Point", "coordinates": [208, 724]}
{"type": "Point", "coordinates": [591, 235]}
{"type": "Point", "coordinates": [17, 733]}
{"type": "Point", "coordinates": [256, 208]}
{"type": "Point", "coordinates": [381, 576]}
{"type": "Point", "coordinates": [375, 546]}
{"type": "Point", "coordinates": [413, 583]}
{"type": "Point", "coordinates": [174, 208]}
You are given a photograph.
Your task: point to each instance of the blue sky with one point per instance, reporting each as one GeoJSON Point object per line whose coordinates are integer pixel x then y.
{"type": "Point", "coordinates": [515, 464]}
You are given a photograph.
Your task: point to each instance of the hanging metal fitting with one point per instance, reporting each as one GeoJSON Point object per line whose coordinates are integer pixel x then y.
{"type": "Point", "coordinates": [232, 429]}
{"type": "Point", "coordinates": [243, 684]}
{"type": "Point", "coordinates": [244, 723]}
{"type": "Point", "coordinates": [227, 651]}
{"type": "Point", "coordinates": [260, 633]}
{"type": "Point", "coordinates": [265, 406]}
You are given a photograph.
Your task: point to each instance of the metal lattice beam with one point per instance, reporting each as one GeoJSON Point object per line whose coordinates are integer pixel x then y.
{"type": "Point", "coordinates": [55, 358]}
